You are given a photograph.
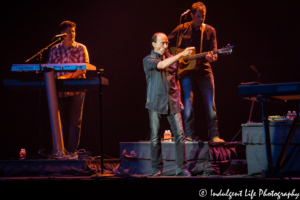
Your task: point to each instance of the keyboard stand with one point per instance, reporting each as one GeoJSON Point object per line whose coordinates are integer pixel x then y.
{"type": "Point", "coordinates": [287, 142]}
{"type": "Point", "coordinates": [279, 92]}
{"type": "Point", "coordinates": [276, 171]}
{"type": "Point", "coordinates": [57, 138]}
{"type": "Point", "coordinates": [263, 101]}
{"type": "Point", "coordinates": [50, 84]}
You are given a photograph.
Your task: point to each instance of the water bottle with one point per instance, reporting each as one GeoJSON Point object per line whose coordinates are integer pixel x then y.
{"type": "Point", "coordinates": [167, 135]}
{"type": "Point", "coordinates": [294, 114]}
{"type": "Point", "coordinates": [289, 115]}
{"type": "Point", "coordinates": [22, 154]}
{"type": "Point", "coordinates": [170, 135]}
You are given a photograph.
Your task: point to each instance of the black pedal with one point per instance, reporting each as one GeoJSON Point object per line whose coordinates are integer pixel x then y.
{"type": "Point", "coordinates": [83, 155]}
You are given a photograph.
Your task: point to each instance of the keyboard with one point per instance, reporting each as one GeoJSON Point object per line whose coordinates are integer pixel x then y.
{"type": "Point", "coordinates": [61, 84]}
{"type": "Point", "coordinates": [281, 91]}
{"type": "Point", "coordinates": [57, 67]}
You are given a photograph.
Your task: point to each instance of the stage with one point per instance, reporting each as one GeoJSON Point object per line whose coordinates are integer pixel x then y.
{"type": "Point", "coordinates": [136, 187]}
{"type": "Point", "coordinates": [122, 178]}
{"type": "Point", "coordinates": [203, 158]}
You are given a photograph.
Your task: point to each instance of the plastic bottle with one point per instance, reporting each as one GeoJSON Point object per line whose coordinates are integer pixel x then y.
{"type": "Point", "coordinates": [170, 135]}
{"type": "Point", "coordinates": [22, 153]}
{"type": "Point", "coordinates": [289, 115]}
{"type": "Point", "coordinates": [167, 135]}
{"type": "Point", "coordinates": [294, 114]}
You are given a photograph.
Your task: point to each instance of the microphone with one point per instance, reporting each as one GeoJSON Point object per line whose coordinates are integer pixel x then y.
{"type": "Point", "coordinates": [254, 69]}
{"type": "Point", "coordinates": [61, 35]}
{"type": "Point", "coordinates": [186, 12]}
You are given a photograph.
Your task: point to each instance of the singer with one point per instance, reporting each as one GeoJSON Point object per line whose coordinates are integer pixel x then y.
{"type": "Point", "coordinates": [70, 103]}
{"type": "Point", "coordinates": [163, 100]}
{"type": "Point", "coordinates": [203, 38]}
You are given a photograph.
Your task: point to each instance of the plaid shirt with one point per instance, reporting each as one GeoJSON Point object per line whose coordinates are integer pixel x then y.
{"type": "Point", "coordinates": [77, 53]}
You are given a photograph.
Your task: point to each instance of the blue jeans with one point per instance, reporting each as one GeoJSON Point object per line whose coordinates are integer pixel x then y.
{"type": "Point", "coordinates": [205, 83]}
{"type": "Point", "coordinates": [71, 108]}
{"type": "Point", "coordinates": [155, 141]}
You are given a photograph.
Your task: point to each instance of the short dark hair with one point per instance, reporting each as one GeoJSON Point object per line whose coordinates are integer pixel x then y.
{"type": "Point", "coordinates": [198, 6]}
{"type": "Point", "coordinates": [65, 24]}
{"type": "Point", "coordinates": [154, 38]}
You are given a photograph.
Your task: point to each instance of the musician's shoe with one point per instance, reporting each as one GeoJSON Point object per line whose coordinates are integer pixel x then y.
{"type": "Point", "coordinates": [184, 173]}
{"type": "Point", "coordinates": [157, 174]}
{"type": "Point", "coordinates": [188, 139]}
{"type": "Point", "coordinates": [217, 139]}
{"type": "Point", "coordinates": [73, 155]}
{"type": "Point", "coordinates": [195, 139]}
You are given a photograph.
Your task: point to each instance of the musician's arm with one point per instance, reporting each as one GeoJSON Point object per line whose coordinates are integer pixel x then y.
{"type": "Point", "coordinates": [83, 58]}
{"type": "Point", "coordinates": [169, 61]}
{"type": "Point", "coordinates": [73, 74]}
{"type": "Point", "coordinates": [213, 46]}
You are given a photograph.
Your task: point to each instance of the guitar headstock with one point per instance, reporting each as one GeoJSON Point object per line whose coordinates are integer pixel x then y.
{"type": "Point", "coordinates": [227, 49]}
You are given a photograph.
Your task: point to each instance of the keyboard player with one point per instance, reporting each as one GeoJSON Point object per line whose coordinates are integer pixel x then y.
{"type": "Point", "coordinates": [70, 103]}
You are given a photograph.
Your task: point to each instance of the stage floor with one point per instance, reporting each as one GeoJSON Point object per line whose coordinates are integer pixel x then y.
{"type": "Point", "coordinates": [99, 176]}
{"type": "Point", "coordinates": [81, 179]}
{"type": "Point", "coordinates": [74, 186]}
{"type": "Point", "coordinates": [137, 187]}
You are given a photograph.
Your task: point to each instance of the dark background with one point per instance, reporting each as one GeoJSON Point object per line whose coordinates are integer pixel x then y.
{"type": "Point", "coordinates": [117, 35]}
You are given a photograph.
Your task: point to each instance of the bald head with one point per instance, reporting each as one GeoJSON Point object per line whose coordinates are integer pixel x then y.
{"type": "Point", "coordinates": [159, 43]}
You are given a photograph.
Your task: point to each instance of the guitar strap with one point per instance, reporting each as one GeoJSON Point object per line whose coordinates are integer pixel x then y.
{"type": "Point", "coordinates": [180, 38]}
{"type": "Point", "coordinates": [202, 31]}
{"type": "Point", "coordinates": [201, 41]}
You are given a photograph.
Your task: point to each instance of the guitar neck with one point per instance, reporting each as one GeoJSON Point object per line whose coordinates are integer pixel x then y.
{"type": "Point", "coordinates": [226, 50]}
{"type": "Point", "coordinates": [199, 55]}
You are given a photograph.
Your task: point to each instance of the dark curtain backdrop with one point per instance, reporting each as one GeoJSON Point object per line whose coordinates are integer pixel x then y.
{"type": "Point", "coordinates": [117, 35]}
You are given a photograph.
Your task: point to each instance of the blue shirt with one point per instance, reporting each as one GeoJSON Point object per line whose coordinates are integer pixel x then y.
{"type": "Point", "coordinates": [162, 90]}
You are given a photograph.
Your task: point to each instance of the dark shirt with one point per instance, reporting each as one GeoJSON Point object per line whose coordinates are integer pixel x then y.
{"type": "Point", "coordinates": [162, 90]}
{"type": "Point", "coordinates": [191, 37]}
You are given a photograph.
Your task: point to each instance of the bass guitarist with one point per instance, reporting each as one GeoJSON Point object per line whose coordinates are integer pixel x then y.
{"type": "Point", "coordinates": [203, 37]}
